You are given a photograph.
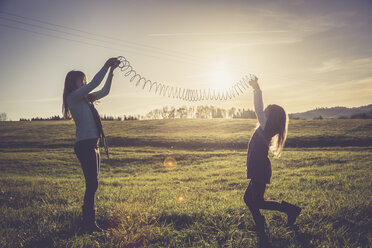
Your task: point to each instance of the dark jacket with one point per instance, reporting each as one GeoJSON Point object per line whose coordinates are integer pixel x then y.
{"type": "Point", "coordinates": [258, 163]}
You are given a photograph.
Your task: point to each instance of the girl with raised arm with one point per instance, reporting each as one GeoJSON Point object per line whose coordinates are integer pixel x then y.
{"type": "Point", "coordinates": [269, 135]}
{"type": "Point", "coordinates": [78, 104]}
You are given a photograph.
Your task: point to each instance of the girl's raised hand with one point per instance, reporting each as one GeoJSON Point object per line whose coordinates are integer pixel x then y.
{"type": "Point", "coordinates": [254, 83]}
{"type": "Point", "coordinates": [114, 64]}
{"type": "Point", "coordinates": [111, 61]}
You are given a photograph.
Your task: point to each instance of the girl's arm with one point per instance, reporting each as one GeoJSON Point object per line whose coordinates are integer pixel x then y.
{"type": "Point", "coordinates": [106, 88]}
{"type": "Point", "coordinates": [258, 107]}
{"type": "Point", "coordinates": [258, 103]}
{"type": "Point", "coordinates": [83, 91]}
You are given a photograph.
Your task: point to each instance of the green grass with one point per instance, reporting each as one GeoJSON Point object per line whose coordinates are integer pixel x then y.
{"type": "Point", "coordinates": [326, 169]}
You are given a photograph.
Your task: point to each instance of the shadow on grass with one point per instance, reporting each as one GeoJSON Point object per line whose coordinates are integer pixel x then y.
{"type": "Point", "coordinates": [311, 141]}
{"type": "Point", "coordinates": [303, 238]}
{"type": "Point", "coordinates": [179, 221]}
{"type": "Point", "coordinates": [300, 239]}
{"type": "Point", "coordinates": [357, 222]}
{"type": "Point", "coordinates": [58, 237]}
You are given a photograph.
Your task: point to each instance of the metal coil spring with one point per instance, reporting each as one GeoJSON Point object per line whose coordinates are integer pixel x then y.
{"type": "Point", "coordinates": [183, 93]}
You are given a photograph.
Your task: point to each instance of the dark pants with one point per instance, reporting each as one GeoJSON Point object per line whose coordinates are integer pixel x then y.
{"type": "Point", "coordinates": [87, 152]}
{"type": "Point", "coordinates": [254, 198]}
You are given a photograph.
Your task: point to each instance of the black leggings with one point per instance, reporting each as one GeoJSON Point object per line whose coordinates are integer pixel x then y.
{"type": "Point", "coordinates": [87, 152]}
{"type": "Point", "coordinates": [254, 199]}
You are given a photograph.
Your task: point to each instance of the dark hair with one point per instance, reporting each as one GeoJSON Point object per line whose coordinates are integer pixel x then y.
{"type": "Point", "coordinates": [70, 86]}
{"type": "Point", "coordinates": [276, 126]}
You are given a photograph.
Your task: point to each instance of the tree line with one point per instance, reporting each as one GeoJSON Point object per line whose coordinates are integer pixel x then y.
{"type": "Point", "coordinates": [199, 112]}
{"type": "Point", "coordinates": [194, 112]}
{"type": "Point", "coordinates": [103, 117]}
{"type": "Point", "coordinates": [362, 116]}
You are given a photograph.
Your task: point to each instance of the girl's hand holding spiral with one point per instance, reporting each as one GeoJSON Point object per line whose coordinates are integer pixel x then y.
{"type": "Point", "coordinates": [254, 83]}
{"type": "Point", "coordinates": [112, 62]}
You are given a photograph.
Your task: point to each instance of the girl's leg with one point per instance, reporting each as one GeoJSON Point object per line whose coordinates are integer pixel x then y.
{"type": "Point", "coordinates": [257, 217]}
{"type": "Point", "coordinates": [292, 211]}
{"type": "Point", "coordinates": [259, 189]}
{"type": "Point", "coordinates": [88, 154]}
{"type": "Point", "coordinates": [249, 200]}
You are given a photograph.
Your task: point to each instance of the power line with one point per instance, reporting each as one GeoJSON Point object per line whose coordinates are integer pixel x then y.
{"type": "Point", "coordinates": [54, 36]}
{"type": "Point", "coordinates": [73, 40]}
{"type": "Point", "coordinates": [127, 47]}
{"type": "Point", "coordinates": [133, 44]}
{"type": "Point", "coordinates": [72, 34]}
{"type": "Point", "coordinates": [50, 29]}
{"type": "Point", "coordinates": [172, 54]}
{"type": "Point", "coordinates": [172, 57]}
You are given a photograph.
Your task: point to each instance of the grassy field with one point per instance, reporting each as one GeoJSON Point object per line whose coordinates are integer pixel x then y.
{"type": "Point", "coordinates": [326, 168]}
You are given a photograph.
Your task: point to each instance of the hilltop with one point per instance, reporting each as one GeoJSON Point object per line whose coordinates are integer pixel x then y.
{"type": "Point", "coordinates": [334, 112]}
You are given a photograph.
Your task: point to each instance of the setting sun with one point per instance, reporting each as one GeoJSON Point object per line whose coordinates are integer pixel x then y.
{"type": "Point", "coordinates": [221, 76]}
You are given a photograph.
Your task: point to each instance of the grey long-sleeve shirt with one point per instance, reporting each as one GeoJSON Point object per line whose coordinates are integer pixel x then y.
{"type": "Point", "coordinates": [258, 108]}
{"type": "Point", "coordinates": [79, 108]}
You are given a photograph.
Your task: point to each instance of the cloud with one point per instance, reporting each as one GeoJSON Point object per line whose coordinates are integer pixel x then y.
{"type": "Point", "coordinates": [267, 26]}
{"type": "Point", "coordinates": [217, 33]}
{"type": "Point", "coordinates": [301, 22]}
{"type": "Point", "coordinates": [44, 100]}
{"type": "Point", "coordinates": [261, 42]}
{"type": "Point", "coordinates": [360, 86]}
{"type": "Point", "coordinates": [339, 64]}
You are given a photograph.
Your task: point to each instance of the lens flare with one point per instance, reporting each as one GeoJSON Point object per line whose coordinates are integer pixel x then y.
{"type": "Point", "coordinates": [170, 163]}
{"type": "Point", "coordinates": [180, 198]}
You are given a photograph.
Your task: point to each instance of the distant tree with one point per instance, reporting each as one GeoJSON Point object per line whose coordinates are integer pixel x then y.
{"type": "Point", "coordinates": [172, 113]}
{"type": "Point", "coordinates": [362, 116]}
{"type": "Point", "coordinates": [56, 118]}
{"type": "Point", "coordinates": [108, 118]}
{"type": "Point", "coordinates": [201, 112]}
{"type": "Point", "coordinates": [246, 114]}
{"type": "Point", "coordinates": [164, 113]}
{"type": "Point", "coordinates": [131, 118]}
{"type": "Point", "coordinates": [3, 117]}
{"type": "Point", "coordinates": [231, 113]}
{"type": "Point", "coordinates": [218, 113]}
{"type": "Point", "coordinates": [191, 112]}
{"type": "Point", "coordinates": [182, 112]}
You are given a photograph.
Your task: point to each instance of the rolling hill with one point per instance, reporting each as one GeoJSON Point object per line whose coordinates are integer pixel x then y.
{"type": "Point", "coordinates": [334, 112]}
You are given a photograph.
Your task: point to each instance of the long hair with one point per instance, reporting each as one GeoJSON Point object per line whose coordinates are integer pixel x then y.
{"type": "Point", "coordinates": [70, 86]}
{"type": "Point", "coordinates": [276, 126]}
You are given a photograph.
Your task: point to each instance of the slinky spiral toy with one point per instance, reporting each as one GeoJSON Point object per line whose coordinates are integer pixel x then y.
{"type": "Point", "coordinates": [186, 94]}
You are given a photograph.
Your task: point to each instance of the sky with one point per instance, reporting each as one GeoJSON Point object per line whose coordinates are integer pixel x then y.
{"type": "Point", "coordinates": [306, 54]}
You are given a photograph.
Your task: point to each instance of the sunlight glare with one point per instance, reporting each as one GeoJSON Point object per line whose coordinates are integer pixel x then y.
{"type": "Point", "coordinates": [221, 76]}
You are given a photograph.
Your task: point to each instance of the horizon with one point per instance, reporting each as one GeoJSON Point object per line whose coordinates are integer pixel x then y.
{"type": "Point", "coordinates": [305, 54]}
{"type": "Point", "coordinates": [143, 115]}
